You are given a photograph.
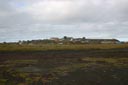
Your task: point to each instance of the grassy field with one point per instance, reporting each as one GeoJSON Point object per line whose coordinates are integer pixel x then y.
{"type": "Point", "coordinates": [45, 47]}
{"type": "Point", "coordinates": [88, 64]}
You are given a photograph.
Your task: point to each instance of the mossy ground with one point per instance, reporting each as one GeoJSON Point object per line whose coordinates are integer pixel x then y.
{"type": "Point", "coordinates": [57, 71]}
{"type": "Point", "coordinates": [64, 65]}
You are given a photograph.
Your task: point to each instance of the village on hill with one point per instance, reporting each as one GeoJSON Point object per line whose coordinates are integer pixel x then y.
{"type": "Point", "coordinates": [70, 40]}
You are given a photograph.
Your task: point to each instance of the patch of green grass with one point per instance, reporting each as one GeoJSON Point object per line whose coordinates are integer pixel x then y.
{"type": "Point", "coordinates": [119, 62]}
{"type": "Point", "coordinates": [109, 60]}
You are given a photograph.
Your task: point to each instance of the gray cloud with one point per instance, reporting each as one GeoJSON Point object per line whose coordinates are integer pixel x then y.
{"type": "Point", "coordinates": [30, 19]}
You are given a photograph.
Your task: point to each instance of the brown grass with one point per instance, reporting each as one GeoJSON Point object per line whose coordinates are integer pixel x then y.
{"type": "Point", "coordinates": [45, 47]}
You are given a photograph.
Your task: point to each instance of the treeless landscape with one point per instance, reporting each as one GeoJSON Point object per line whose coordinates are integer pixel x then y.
{"type": "Point", "coordinates": [88, 64]}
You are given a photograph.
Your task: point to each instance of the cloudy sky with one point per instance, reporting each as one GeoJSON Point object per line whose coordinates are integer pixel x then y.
{"type": "Point", "coordinates": [37, 19]}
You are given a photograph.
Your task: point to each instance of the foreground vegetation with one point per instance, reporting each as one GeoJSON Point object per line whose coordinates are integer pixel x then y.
{"type": "Point", "coordinates": [88, 64]}
{"type": "Point", "coordinates": [65, 71]}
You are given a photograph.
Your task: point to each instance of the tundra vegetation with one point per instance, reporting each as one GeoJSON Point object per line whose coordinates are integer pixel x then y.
{"type": "Point", "coordinates": [66, 64]}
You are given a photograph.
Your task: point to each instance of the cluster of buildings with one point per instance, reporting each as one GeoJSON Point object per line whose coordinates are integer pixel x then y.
{"type": "Point", "coordinates": [71, 40]}
{"type": "Point", "coordinates": [84, 40]}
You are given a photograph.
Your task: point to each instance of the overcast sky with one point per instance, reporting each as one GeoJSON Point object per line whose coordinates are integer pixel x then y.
{"type": "Point", "coordinates": [37, 19]}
